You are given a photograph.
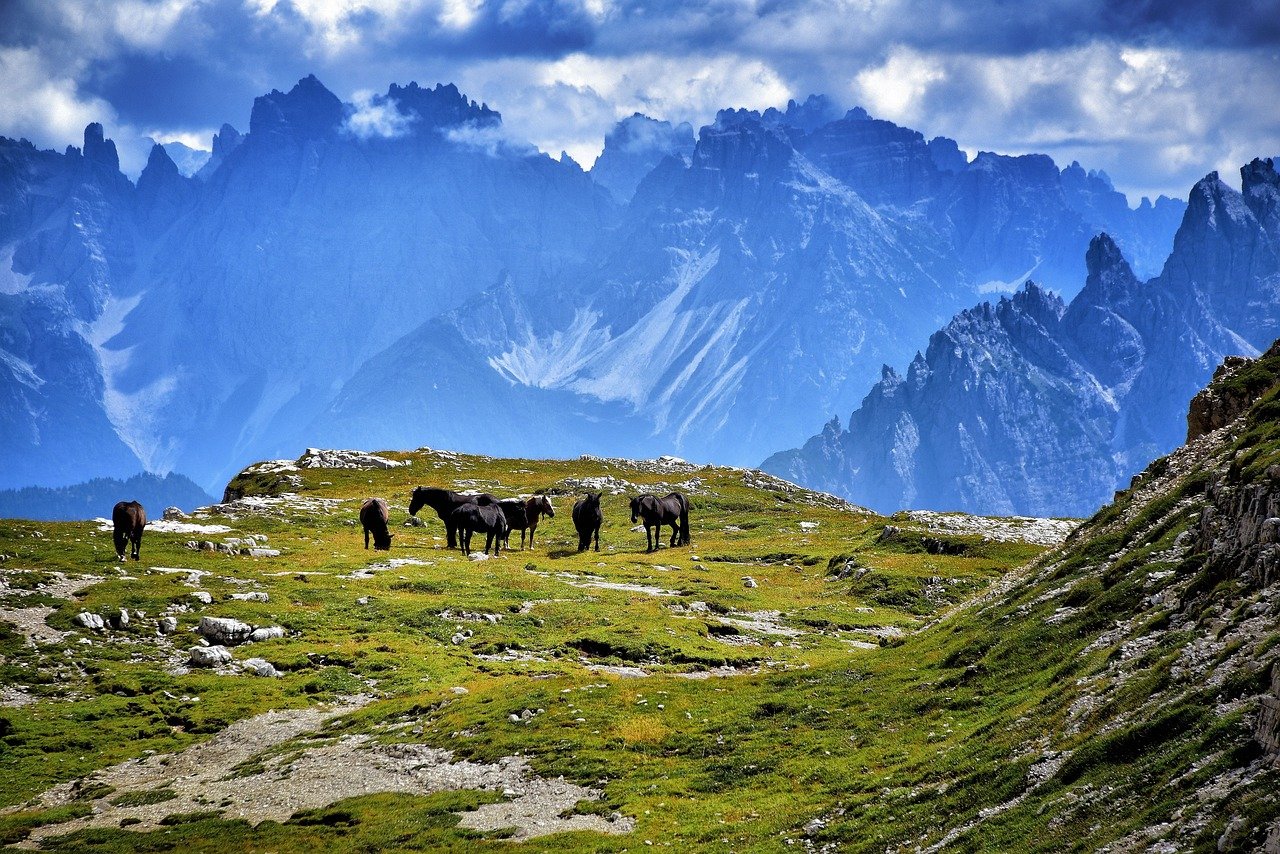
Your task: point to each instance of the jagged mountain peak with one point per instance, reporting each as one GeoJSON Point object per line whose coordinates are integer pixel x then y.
{"type": "Point", "coordinates": [307, 111]}
{"type": "Point", "coordinates": [441, 106]}
{"type": "Point", "coordinates": [98, 149]}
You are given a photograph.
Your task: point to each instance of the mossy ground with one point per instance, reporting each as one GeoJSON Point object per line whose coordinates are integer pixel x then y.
{"type": "Point", "coordinates": [891, 746]}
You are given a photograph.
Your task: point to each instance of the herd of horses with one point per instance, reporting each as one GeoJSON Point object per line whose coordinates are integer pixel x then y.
{"type": "Point", "coordinates": [464, 515]}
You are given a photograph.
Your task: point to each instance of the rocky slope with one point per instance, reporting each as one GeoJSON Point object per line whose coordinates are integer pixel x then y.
{"type": "Point", "coordinates": [1035, 406]}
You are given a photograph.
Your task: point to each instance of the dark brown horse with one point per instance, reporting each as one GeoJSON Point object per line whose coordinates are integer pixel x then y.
{"type": "Point", "coordinates": [672, 509]}
{"type": "Point", "coordinates": [587, 518]}
{"type": "Point", "coordinates": [129, 519]}
{"type": "Point", "coordinates": [538, 505]}
{"type": "Point", "coordinates": [373, 517]}
{"type": "Point", "coordinates": [444, 502]}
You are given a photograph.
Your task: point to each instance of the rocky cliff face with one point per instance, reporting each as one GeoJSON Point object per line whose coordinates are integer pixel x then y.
{"type": "Point", "coordinates": [634, 147]}
{"type": "Point", "coordinates": [1032, 406]}
{"type": "Point", "coordinates": [312, 273]}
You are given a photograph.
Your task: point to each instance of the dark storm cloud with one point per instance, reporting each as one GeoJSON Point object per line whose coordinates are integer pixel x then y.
{"type": "Point", "coordinates": [563, 70]}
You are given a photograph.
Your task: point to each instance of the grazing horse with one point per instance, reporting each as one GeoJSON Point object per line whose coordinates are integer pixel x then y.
{"type": "Point", "coordinates": [513, 510]}
{"type": "Point", "coordinates": [670, 510]}
{"type": "Point", "coordinates": [129, 519]}
{"type": "Point", "coordinates": [587, 518]}
{"type": "Point", "coordinates": [488, 518]}
{"type": "Point", "coordinates": [538, 505]}
{"type": "Point", "coordinates": [373, 517]}
{"type": "Point", "coordinates": [444, 503]}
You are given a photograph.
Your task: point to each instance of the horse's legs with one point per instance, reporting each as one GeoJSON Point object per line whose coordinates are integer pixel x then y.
{"type": "Point", "coordinates": [366, 539]}
{"type": "Point", "coordinates": [597, 538]}
{"type": "Point", "coordinates": [452, 531]}
{"type": "Point", "coordinates": [121, 542]}
{"type": "Point", "coordinates": [137, 547]}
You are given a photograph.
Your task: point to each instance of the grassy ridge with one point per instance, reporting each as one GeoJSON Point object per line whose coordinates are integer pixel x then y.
{"type": "Point", "coordinates": [1026, 720]}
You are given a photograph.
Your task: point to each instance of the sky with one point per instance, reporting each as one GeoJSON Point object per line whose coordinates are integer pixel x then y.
{"type": "Point", "coordinates": [1155, 93]}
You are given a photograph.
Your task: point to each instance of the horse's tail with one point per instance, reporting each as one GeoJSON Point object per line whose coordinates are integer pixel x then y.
{"type": "Point", "coordinates": [684, 521]}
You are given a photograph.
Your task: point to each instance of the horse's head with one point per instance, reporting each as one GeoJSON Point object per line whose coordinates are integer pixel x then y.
{"type": "Point", "coordinates": [635, 509]}
{"type": "Point", "coordinates": [382, 542]}
{"type": "Point", "coordinates": [417, 500]}
{"type": "Point", "coordinates": [544, 504]}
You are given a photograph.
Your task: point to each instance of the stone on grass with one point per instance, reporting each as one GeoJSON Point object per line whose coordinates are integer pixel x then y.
{"type": "Point", "coordinates": [89, 621]}
{"type": "Point", "coordinates": [259, 667]}
{"type": "Point", "coordinates": [266, 633]}
{"type": "Point", "coordinates": [208, 656]}
{"type": "Point", "coordinates": [224, 630]}
{"type": "Point", "coordinates": [168, 625]}
{"type": "Point", "coordinates": [202, 597]}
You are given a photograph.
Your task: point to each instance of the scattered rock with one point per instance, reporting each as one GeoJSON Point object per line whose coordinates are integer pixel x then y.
{"type": "Point", "coordinates": [208, 656]}
{"type": "Point", "coordinates": [120, 620]}
{"type": "Point", "coordinates": [259, 667]}
{"type": "Point", "coordinates": [265, 633]}
{"type": "Point", "coordinates": [261, 552]}
{"type": "Point", "coordinates": [252, 596]}
{"type": "Point", "coordinates": [318, 458]}
{"type": "Point", "coordinates": [202, 597]}
{"type": "Point", "coordinates": [414, 522]}
{"type": "Point", "coordinates": [224, 630]}
{"type": "Point", "coordinates": [173, 514]}
{"type": "Point", "coordinates": [168, 625]}
{"type": "Point", "coordinates": [748, 581]}
{"type": "Point", "coordinates": [478, 556]}
{"type": "Point", "coordinates": [89, 621]}
{"type": "Point", "coordinates": [459, 690]}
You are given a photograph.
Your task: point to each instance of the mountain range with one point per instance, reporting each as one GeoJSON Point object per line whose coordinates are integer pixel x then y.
{"type": "Point", "coordinates": [405, 272]}
{"type": "Point", "coordinates": [1033, 405]}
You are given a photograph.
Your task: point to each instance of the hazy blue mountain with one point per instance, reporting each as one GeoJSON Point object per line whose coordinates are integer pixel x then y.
{"type": "Point", "coordinates": [634, 147]}
{"type": "Point", "coordinates": [95, 498]}
{"type": "Point", "coordinates": [1031, 405]}
{"type": "Point", "coordinates": [188, 160]}
{"type": "Point", "coordinates": [390, 271]}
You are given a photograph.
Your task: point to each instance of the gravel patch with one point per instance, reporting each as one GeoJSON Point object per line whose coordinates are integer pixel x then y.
{"type": "Point", "coordinates": [320, 775]}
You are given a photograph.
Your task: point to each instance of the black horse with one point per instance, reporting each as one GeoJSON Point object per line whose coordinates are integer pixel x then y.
{"type": "Point", "coordinates": [487, 518]}
{"type": "Point", "coordinates": [587, 518]}
{"type": "Point", "coordinates": [128, 518]}
{"type": "Point", "coordinates": [513, 510]}
{"type": "Point", "coordinates": [670, 510]}
{"type": "Point", "coordinates": [444, 503]}
{"type": "Point", "coordinates": [373, 518]}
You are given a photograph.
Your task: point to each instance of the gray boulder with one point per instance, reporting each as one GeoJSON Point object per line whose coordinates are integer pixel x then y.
{"type": "Point", "coordinates": [89, 621]}
{"type": "Point", "coordinates": [209, 656]}
{"type": "Point", "coordinates": [224, 630]}
{"type": "Point", "coordinates": [265, 633]}
{"type": "Point", "coordinates": [259, 667]}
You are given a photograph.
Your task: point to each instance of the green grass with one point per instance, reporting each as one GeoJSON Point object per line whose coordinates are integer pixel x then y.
{"type": "Point", "coordinates": [890, 745]}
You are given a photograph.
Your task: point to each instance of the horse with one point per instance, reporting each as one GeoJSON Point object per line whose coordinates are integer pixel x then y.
{"type": "Point", "coordinates": [444, 503]}
{"type": "Point", "coordinates": [513, 510]}
{"type": "Point", "coordinates": [671, 510]}
{"type": "Point", "coordinates": [129, 519]}
{"type": "Point", "coordinates": [587, 518]}
{"type": "Point", "coordinates": [488, 518]}
{"type": "Point", "coordinates": [373, 517]}
{"type": "Point", "coordinates": [538, 505]}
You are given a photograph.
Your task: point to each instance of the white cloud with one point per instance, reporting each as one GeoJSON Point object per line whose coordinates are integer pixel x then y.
{"type": "Point", "coordinates": [376, 116]}
{"type": "Point", "coordinates": [895, 89]}
{"type": "Point", "coordinates": [43, 105]}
